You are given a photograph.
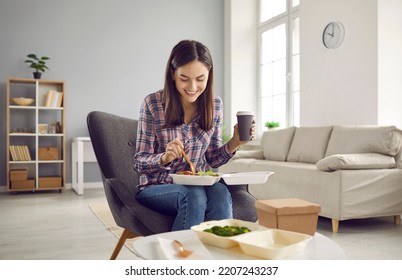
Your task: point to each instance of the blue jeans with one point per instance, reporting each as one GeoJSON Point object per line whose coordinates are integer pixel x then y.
{"type": "Point", "coordinates": [190, 204]}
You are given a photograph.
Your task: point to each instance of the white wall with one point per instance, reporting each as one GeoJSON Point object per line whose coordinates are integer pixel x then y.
{"type": "Point", "coordinates": [390, 62]}
{"type": "Point", "coordinates": [240, 59]}
{"type": "Point", "coordinates": [358, 82]}
{"type": "Point", "coordinates": [338, 86]}
{"type": "Point", "coordinates": [110, 53]}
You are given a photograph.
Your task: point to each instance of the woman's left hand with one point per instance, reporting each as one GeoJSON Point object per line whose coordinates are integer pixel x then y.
{"type": "Point", "coordinates": [235, 143]}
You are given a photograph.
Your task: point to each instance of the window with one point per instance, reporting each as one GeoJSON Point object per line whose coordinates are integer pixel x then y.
{"type": "Point", "coordinates": [279, 57]}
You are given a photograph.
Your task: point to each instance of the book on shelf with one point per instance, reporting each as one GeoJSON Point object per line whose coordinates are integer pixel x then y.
{"type": "Point", "coordinates": [13, 153]}
{"type": "Point", "coordinates": [20, 153]}
{"type": "Point", "coordinates": [27, 155]}
{"type": "Point", "coordinates": [54, 98]}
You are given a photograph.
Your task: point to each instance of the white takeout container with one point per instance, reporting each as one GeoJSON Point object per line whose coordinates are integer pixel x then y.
{"type": "Point", "coordinates": [272, 243]}
{"type": "Point", "coordinates": [221, 241]}
{"type": "Point", "coordinates": [241, 178]}
{"type": "Point", "coordinates": [195, 180]}
{"type": "Point", "coordinates": [237, 178]}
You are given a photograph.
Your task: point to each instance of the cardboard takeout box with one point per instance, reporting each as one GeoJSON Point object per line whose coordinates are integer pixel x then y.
{"type": "Point", "coordinates": [291, 214]}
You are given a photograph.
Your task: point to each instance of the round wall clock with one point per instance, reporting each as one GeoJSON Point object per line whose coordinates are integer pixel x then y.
{"type": "Point", "coordinates": [333, 35]}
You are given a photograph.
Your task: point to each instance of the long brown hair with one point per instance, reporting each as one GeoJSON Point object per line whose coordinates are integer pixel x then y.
{"type": "Point", "coordinates": [184, 52]}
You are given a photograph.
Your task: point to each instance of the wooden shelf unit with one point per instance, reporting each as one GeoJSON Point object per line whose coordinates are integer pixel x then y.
{"type": "Point", "coordinates": [23, 131]}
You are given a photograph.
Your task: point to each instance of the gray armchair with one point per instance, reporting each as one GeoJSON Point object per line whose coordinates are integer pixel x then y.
{"type": "Point", "coordinates": [113, 139]}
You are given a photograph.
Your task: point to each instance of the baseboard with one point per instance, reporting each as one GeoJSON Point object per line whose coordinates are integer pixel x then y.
{"type": "Point", "coordinates": [89, 185]}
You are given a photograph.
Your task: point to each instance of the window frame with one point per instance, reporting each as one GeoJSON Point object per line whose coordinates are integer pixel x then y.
{"type": "Point", "coordinates": [286, 18]}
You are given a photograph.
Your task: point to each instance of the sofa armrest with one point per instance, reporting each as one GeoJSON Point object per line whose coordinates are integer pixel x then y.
{"type": "Point", "coordinates": [257, 154]}
{"type": "Point", "coordinates": [398, 158]}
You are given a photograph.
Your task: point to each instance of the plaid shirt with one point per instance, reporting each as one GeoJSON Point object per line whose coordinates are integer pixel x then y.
{"type": "Point", "coordinates": [204, 148]}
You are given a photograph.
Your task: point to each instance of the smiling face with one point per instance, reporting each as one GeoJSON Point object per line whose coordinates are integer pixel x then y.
{"type": "Point", "coordinates": [191, 80]}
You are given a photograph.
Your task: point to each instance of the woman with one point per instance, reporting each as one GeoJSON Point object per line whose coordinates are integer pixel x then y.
{"type": "Point", "coordinates": [185, 115]}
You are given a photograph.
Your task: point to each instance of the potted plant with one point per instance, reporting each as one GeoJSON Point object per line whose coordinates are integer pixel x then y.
{"type": "Point", "coordinates": [225, 137]}
{"type": "Point", "coordinates": [37, 63]}
{"type": "Point", "coordinates": [272, 125]}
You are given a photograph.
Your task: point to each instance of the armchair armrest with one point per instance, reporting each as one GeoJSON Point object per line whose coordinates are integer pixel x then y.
{"type": "Point", "coordinates": [129, 213]}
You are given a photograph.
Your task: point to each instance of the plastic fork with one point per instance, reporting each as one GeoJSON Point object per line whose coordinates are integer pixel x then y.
{"type": "Point", "coordinates": [182, 251]}
{"type": "Point", "coordinates": [189, 162]}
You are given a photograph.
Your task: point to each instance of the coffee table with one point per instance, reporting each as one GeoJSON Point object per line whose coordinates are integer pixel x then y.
{"type": "Point", "coordinates": [319, 247]}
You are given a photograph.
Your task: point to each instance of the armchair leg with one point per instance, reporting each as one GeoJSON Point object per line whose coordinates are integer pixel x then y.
{"type": "Point", "coordinates": [124, 236]}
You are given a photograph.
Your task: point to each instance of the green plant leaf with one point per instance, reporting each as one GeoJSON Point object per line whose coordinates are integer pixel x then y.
{"type": "Point", "coordinates": [272, 124]}
{"type": "Point", "coordinates": [39, 64]}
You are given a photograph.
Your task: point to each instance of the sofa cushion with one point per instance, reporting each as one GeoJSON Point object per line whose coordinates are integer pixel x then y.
{"type": "Point", "coordinates": [355, 161]}
{"type": "Point", "coordinates": [276, 143]}
{"type": "Point", "coordinates": [384, 140]}
{"type": "Point", "coordinates": [309, 144]}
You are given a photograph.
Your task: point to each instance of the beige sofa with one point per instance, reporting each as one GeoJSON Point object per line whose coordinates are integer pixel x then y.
{"type": "Point", "coordinates": [351, 171]}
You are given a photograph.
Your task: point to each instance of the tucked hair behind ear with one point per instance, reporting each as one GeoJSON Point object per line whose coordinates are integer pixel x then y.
{"type": "Point", "coordinates": [184, 52]}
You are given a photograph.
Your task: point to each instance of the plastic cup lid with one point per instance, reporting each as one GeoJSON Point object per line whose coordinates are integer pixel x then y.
{"type": "Point", "coordinates": [245, 113]}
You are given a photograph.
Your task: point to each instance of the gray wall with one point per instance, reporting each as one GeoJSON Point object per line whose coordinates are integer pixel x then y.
{"type": "Point", "coordinates": [110, 53]}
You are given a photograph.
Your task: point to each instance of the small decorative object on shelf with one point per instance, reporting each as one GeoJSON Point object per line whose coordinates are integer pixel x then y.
{"type": "Point", "coordinates": [55, 127]}
{"type": "Point", "coordinates": [22, 130]}
{"type": "Point", "coordinates": [22, 101]}
{"type": "Point", "coordinates": [37, 63]}
{"type": "Point", "coordinates": [42, 128]}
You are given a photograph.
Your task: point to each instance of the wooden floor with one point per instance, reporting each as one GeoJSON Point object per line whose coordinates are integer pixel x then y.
{"type": "Point", "coordinates": [61, 226]}
{"type": "Point", "coordinates": [54, 226]}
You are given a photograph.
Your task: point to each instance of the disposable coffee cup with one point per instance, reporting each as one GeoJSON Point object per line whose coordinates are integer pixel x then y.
{"type": "Point", "coordinates": [244, 121]}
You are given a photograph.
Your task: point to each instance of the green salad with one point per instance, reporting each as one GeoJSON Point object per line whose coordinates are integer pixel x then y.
{"type": "Point", "coordinates": [207, 173]}
{"type": "Point", "coordinates": [227, 230]}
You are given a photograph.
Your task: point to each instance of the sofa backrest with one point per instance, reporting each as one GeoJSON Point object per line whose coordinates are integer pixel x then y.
{"type": "Point", "coordinates": [276, 143]}
{"type": "Point", "coordinates": [311, 144]}
{"type": "Point", "coordinates": [385, 140]}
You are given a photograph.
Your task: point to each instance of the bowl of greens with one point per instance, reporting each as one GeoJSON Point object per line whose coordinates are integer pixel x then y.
{"type": "Point", "coordinates": [222, 233]}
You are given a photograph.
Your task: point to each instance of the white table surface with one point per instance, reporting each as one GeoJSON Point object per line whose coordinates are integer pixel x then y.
{"type": "Point", "coordinates": [319, 247]}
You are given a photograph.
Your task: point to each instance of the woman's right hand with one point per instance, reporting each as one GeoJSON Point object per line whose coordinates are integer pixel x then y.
{"type": "Point", "coordinates": [173, 151]}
